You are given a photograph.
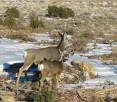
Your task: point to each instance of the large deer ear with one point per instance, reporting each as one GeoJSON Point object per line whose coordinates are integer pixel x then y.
{"type": "Point", "coordinates": [61, 34]}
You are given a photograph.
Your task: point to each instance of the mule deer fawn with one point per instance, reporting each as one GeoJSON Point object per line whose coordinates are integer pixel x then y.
{"type": "Point", "coordinates": [51, 68]}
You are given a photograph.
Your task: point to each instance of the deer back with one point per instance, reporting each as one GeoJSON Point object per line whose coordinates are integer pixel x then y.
{"type": "Point", "coordinates": [53, 67]}
{"type": "Point", "coordinates": [50, 53]}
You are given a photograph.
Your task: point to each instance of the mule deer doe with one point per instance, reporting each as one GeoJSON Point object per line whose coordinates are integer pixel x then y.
{"type": "Point", "coordinates": [51, 68]}
{"type": "Point", "coordinates": [37, 55]}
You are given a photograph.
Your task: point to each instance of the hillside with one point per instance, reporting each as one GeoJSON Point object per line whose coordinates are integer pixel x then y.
{"type": "Point", "coordinates": [79, 6]}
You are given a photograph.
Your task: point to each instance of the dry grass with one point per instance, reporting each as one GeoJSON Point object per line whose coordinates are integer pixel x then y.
{"type": "Point", "coordinates": [112, 58]}
{"type": "Point", "coordinates": [79, 41]}
{"type": "Point", "coordinates": [110, 38]}
{"type": "Point", "coordinates": [79, 44]}
{"type": "Point", "coordinates": [62, 95]}
{"type": "Point", "coordinates": [114, 50]}
{"type": "Point", "coordinates": [73, 95]}
{"type": "Point", "coordinates": [87, 95]}
{"type": "Point", "coordinates": [79, 72]}
{"type": "Point", "coordinates": [20, 37]}
{"type": "Point", "coordinates": [80, 95]}
{"type": "Point", "coordinates": [8, 98]}
{"type": "Point", "coordinates": [85, 68]}
{"type": "Point", "coordinates": [21, 34]}
{"type": "Point", "coordinates": [23, 31]}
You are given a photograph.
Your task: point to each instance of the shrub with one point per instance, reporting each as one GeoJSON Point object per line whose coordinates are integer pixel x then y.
{"type": "Point", "coordinates": [44, 96]}
{"type": "Point", "coordinates": [87, 35]}
{"type": "Point", "coordinates": [83, 68]}
{"type": "Point", "coordinates": [69, 31]}
{"type": "Point", "coordinates": [62, 12]}
{"type": "Point", "coordinates": [68, 12]}
{"type": "Point", "coordinates": [10, 22]}
{"type": "Point", "coordinates": [79, 44]}
{"type": "Point", "coordinates": [52, 11]}
{"type": "Point", "coordinates": [108, 98]}
{"type": "Point", "coordinates": [35, 22]}
{"type": "Point", "coordinates": [80, 41]}
{"type": "Point", "coordinates": [12, 12]}
{"type": "Point", "coordinates": [20, 37]}
{"type": "Point", "coordinates": [1, 21]}
{"type": "Point", "coordinates": [11, 15]}
{"type": "Point", "coordinates": [110, 38]}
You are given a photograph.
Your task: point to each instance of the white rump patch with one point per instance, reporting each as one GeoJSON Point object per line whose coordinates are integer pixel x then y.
{"type": "Point", "coordinates": [41, 67]}
{"type": "Point", "coordinates": [61, 55]}
{"type": "Point", "coordinates": [25, 54]}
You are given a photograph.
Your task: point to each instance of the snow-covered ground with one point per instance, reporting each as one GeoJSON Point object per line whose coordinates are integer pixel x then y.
{"type": "Point", "coordinates": [42, 37]}
{"type": "Point", "coordinates": [12, 51]}
{"type": "Point", "coordinates": [106, 72]}
{"type": "Point", "coordinates": [99, 49]}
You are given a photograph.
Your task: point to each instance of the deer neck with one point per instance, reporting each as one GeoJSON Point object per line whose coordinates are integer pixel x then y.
{"type": "Point", "coordinates": [61, 44]}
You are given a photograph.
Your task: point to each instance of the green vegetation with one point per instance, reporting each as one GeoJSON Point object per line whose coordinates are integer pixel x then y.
{"type": "Point", "coordinates": [20, 37]}
{"type": "Point", "coordinates": [11, 15]}
{"type": "Point", "coordinates": [44, 96]}
{"type": "Point", "coordinates": [12, 12]}
{"type": "Point", "coordinates": [1, 21]}
{"type": "Point", "coordinates": [62, 12]}
{"type": "Point", "coordinates": [10, 22]}
{"type": "Point", "coordinates": [35, 23]}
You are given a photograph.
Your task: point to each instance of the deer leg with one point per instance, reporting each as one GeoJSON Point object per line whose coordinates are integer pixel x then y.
{"type": "Point", "coordinates": [54, 81]}
{"type": "Point", "coordinates": [28, 62]}
{"type": "Point", "coordinates": [57, 80]}
{"type": "Point", "coordinates": [40, 76]}
{"type": "Point", "coordinates": [25, 67]}
{"type": "Point", "coordinates": [39, 81]}
{"type": "Point", "coordinates": [42, 79]}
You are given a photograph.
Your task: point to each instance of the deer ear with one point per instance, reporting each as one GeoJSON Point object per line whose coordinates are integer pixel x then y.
{"type": "Point", "coordinates": [60, 34]}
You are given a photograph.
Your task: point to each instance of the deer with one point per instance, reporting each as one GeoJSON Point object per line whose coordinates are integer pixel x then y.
{"type": "Point", "coordinates": [31, 56]}
{"type": "Point", "coordinates": [51, 69]}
